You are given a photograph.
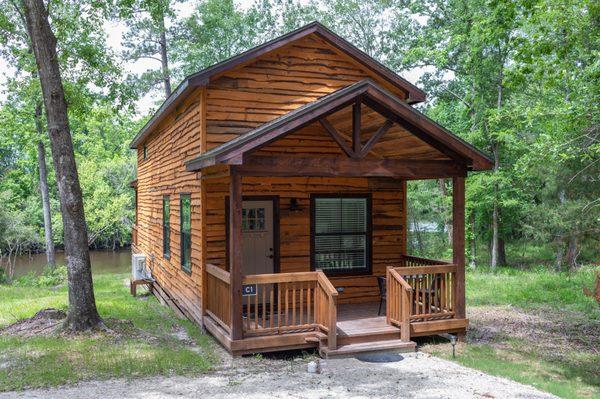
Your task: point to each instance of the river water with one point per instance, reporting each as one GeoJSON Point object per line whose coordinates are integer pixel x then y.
{"type": "Point", "coordinates": [102, 262]}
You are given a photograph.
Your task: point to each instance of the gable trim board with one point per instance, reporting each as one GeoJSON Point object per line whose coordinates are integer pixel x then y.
{"type": "Point", "coordinates": [376, 97]}
{"type": "Point", "coordinates": [202, 78]}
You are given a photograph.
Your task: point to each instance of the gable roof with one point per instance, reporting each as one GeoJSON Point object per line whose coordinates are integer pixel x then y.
{"type": "Point", "coordinates": [371, 94]}
{"type": "Point", "coordinates": [201, 78]}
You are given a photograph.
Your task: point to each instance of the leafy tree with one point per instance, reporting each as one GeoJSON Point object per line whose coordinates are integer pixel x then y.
{"type": "Point", "coordinates": [147, 38]}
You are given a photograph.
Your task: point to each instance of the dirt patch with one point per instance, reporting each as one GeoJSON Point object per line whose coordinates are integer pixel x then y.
{"type": "Point", "coordinates": [49, 321]}
{"type": "Point", "coordinates": [547, 329]}
{"type": "Point", "coordinates": [44, 322]}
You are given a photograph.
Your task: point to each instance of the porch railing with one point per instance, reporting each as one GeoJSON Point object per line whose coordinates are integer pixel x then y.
{"type": "Point", "coordinates": [421, 290]}
{"type": "Point", "coordinates": [432, 291]}
{"type": "Point", "coordinates": [284, 303]}
{"type": "Point", "coordinates": [218, 296]}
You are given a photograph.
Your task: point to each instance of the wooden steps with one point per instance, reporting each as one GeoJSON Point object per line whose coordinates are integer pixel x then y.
{"type": "Point", "coordinates": [384, 333]}
{"type": "Point", "coordinates": [387, 346]}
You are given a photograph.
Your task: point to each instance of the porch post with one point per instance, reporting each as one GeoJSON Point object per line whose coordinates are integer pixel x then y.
{"type": "Point", "coordinates": [458, 244]}
{"type": "Point", "coordinates": [235, 252]}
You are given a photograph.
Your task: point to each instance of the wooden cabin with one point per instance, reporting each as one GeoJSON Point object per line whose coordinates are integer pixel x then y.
{"type": "Point", "coordinates": [271, 201]}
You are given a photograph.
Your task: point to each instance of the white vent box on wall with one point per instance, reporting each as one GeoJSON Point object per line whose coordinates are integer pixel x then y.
{"type": "Point", "coordinates": [138, 267]}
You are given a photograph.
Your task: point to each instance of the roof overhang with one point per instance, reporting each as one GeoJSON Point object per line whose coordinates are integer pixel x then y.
{"type": "Point", "coordinates": [202, 78]}
{"type": "Point", "coordinates": [379, 99]}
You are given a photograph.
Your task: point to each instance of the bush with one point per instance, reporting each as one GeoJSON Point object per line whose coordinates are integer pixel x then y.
{"type": "Point", "coordinates": [49, 277]}
{"type": "Point", "coordinates": [3, 276]}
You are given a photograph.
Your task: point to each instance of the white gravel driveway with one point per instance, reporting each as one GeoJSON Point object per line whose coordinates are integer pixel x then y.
{"type": "Point", "coordinates": [416, 376]}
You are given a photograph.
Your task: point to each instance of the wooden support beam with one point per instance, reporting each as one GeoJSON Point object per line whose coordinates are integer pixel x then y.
{"type": "Point", "coordinates": [235, 253]}
{"type": "Point", "coordinates": [356, 123]}
{"type": "Point", "coordinates": [410, 125]}
{"type": "Point", "coordinates": [337, 137]}
{"type": "Point", "coordinates": [344, 167]}
{"type": "Point", "coordinates": [458, 244]}
{"type": "Point", "coordinates": [375, 138]}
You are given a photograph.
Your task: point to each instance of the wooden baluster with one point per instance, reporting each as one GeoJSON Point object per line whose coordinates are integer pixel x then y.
{"type": "Point", "coordinates": [388, 289]}
{"type": "Point", "coordinates": [396, 300]}
{"type": "Point", "coordinates": [302, 303]}
{"type": "Point", "coordinates": [286, 305]}
{"type": "Point", "coordinates": [264, 305]}
{"type": "Point", "coordinates": [308, 294]}
{"type": "Point", "coordinates": [271, 300]}
{"type": "Point", "coordinates": [431, 295]}
{"type": "Point", "coordinates": [246, 321]}
{"type": "Point", "coordinates": [294, 304]}
{"type": "Point", "coordinates": [279, 306]}
{"type": "Point", "coordinates": [443, 293]}
{"type": "Point", "coordinates": [256, 308]}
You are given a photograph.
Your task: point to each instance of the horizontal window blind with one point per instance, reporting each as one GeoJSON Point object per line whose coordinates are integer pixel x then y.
{"type": "Point", "coordinates": [341, 234]}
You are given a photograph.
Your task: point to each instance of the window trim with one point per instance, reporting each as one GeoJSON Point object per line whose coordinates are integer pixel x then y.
{"type": "Point", "coordinates": [166, 240]}
{"type": "Point", "coordinates": [182, 196]}
{"type": "Point", "coordinates": [368, 234]}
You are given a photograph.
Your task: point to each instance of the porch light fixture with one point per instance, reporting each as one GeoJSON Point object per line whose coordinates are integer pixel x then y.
{"type": "Point", "coordinates": [294, 205]}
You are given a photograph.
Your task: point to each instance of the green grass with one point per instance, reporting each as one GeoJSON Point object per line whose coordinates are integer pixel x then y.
{"type": "Point", "coordinates": [142, 344]}
{"type": "Point", "coordinates": [569, 368]}
{"type": "Point", "coordinates": [527, 368]}
{"type": "Point", "coordinates": [533, 288]}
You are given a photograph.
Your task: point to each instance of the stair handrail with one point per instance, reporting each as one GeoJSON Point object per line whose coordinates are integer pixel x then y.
{"type": "Point", "coordinates": [332, 295]}
{"type": "Point", "coordinates": [398, 309]}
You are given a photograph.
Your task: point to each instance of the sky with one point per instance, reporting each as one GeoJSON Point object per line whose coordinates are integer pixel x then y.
{"type": "Point", "coordinates": [115, 30]}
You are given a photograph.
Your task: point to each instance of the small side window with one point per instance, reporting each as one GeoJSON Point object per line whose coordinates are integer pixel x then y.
{"type": "Point", "coordinates": [166, 227]}
{"type": "Point", "coordinates": [186, 239]}
{"type": "Point", "coordinates": [145, 152]}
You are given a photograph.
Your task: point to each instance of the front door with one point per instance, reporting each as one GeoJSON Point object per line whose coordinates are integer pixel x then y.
{"type": "Point", "coordinates": [257, 237]}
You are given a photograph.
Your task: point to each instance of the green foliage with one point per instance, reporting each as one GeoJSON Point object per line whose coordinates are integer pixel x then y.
{"type": "Point", "coordinates": [518, 79]}
{"type": "Point", "coordinates": [50, 277]}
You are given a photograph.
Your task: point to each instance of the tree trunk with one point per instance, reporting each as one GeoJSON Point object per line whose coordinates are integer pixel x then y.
{"type": "Point", "coordinates": [82, 313]}
{"type": "Point", "coordinates": [163, 57]}
{"type": "Point", "coordinates": [501, 252]}
{"type": "Point", "coordinates": [559, 255]}
{"type": "Point", "coordinates": [447, 218]}
{"type": "Point", "coordinates": [496, 152]}
{"type": "Point", "coordinates": [473, 243]}
{"type": "Point", "coordinates": [50, 258]}
{"type": "Point", "coordinates": [572, 252]}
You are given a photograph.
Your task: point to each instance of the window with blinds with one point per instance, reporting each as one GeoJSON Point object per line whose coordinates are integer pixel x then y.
{"type": "Point", "coordinates": [185, 225]}
{"type": "Point", "coordinates": [341, 234]}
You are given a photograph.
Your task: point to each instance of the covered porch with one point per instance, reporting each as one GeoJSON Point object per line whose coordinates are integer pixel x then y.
{"type": "Point", "coordinates": [322, 299]}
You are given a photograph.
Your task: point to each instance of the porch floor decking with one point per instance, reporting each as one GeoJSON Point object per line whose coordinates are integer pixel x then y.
{"type": "Point", "coordinates": [362, 319]}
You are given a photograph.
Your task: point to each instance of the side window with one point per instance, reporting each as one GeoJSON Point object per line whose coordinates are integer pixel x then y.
{"type": "Point", "coordinates": [166, 227]}
{"type": "Point", "coordinates": [145, 152]}
{"type": "Point", "coordinates": [186, 239]}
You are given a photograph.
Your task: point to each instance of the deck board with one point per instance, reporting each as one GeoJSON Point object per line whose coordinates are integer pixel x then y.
{"type": "Point", "coordinates": [361, 318]}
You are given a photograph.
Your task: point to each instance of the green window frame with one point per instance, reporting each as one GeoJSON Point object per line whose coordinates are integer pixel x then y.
{"type": "Point", "coordinates": [185, 232]}
{"type": "Point", "coordinates": [341, 233]}
{"type": "Point", "coordinates": [166, 227]}
{"type": "Point", "coordinates": [145, 152]}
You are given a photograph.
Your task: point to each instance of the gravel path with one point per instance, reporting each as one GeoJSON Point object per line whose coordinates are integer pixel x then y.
{"type": "Point", "coordinates": [418, 375]}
